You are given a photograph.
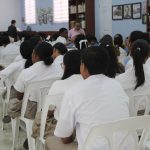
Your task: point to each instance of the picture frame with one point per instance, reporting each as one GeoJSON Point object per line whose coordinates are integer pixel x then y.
{"type": "Point", "coordinates": [127, 11]}
{"type": "Point", "coordinates": [144, 19]}
{"type": "Point", "coordinates": [117, 12]}
{"type": "Point", "coordinates": [136, 10]}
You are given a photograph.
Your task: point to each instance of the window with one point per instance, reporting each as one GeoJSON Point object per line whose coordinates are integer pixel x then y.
{"type": "Point", "coordinates": [30, 11]}
{"type": "Point", "coordinates": [60, 10]}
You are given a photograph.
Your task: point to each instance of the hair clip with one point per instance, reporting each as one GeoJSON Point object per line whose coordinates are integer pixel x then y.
{"type": "Point", "coordinates": [107, 45]}
{"type": "Point", "coordinates": [139, 49]}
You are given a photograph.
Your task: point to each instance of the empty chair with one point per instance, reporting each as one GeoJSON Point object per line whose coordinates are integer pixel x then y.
{"type": "Point", "coordinates": [109, 129]}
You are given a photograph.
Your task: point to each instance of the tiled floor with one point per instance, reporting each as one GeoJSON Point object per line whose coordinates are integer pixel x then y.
{"type": "Point", "coordinates": [6, 137]}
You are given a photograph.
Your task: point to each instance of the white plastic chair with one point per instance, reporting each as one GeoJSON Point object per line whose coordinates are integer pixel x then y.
{"type": "Point", "coordinates": [7, 84]}
{"type": "Point", "coordinates": [42, 89]}
{"type": "Point", "coordinates": [109, 129]}
{"type": "Point", "coordinates": [83, 41]}
{"type": "Point", "coordinates": [139, 99]}
{"type": "Point", "coordinates": [54, 100]}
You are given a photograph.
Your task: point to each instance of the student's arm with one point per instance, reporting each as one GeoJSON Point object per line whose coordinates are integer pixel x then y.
{"type": "Point", "coordinates": [68, 140]}
{"type": "Point", "coordinates": [20, 86]}
{"type": "Point", "coordinates": [66, 122]}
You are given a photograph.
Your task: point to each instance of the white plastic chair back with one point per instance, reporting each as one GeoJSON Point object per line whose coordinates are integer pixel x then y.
{"type": "Point", "coordinates": [139, 99]}
{"type": "Point", "coordinates": [130, 125]}
{"type": "Point", "coordinates": [40, 87]}
{"type": "Point", "coordinates": [54, 100]}
{"type": "Point", "coordinates": [83, 41]}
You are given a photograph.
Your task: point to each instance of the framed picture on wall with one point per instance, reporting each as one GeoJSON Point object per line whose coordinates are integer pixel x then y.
{"type": "Point", "coordinates": [144, 19]}
{"type": "Point", "coordinates": [136, 10]}
{"type": "Point", "coordinates": [117, 12]}
{"type": "Point", "coordinates": [127, 11]}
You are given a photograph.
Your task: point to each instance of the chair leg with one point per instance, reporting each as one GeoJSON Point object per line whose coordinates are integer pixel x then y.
{"type": "Point", "coordinates": [15, 132]}
{"type": "Point", "coordinates": [31, 141]}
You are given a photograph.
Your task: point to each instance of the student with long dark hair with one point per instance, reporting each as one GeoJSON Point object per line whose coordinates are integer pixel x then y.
{"type": "Point", "coordinates": [139, 74]}
{"type": "Point", "coordinates": [135, 35]}
{"type": "Point", "coordinates": [118, 43]}
{"type": "Point", "coordinates": [114, 67]}
{"type": "Point", "coordinates": [71, 76]}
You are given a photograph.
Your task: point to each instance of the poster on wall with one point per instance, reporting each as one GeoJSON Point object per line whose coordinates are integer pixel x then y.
{"type": "Point", "coordinates": [117, 12]}
{"type": "Point", "coordinates": [136, 7]}
{"type": "Point", "coordinates": [44, 15]}
{"type": "Point", "coordinates": [127, 11]}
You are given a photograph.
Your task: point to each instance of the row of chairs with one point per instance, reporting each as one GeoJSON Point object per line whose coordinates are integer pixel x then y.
{"type": "Point", "coordinates": [46, 100]}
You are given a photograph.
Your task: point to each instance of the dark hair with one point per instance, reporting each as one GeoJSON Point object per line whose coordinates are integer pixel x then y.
{"type": "Point", "coordinates": [118, 40]}
{"type": "Point", "coordinates": [77, 41]}
{"type": "Point", "coordinates": [44, 50]}
{"type": "Point", "coordinates": [135, 35]}
{"type": "Point", "coordinates": [61, 30]}
{"type": "Point", "coordinates": [5, 40]}
{"type": "Point", "coordinates": [96, 59]}
{"type": "Point", "coordinates": [146, 37]}
{"type": "Point", "coordinates": [113, 66]}
{"type": "Point", "coordinates": [35, 40]}
{"type": "Point", "coordinates": [71, 61]}
{"type": "Point", "coordinates": [13, 21]}
{"type": "Point", "coordinates": [140, 52]}
{"type": "Point", "coordinates": [54, 36]}
{"type": "Point", "coordinates": [1, 43]}
{"type": "Point", "coordinates": [107, 39]}
{"type": "Point", "coordinates": [61, 48]}
{"type": "Point", "coordinates": [91, 39]}
{"type": "Point", "coordinates": [26, 49]}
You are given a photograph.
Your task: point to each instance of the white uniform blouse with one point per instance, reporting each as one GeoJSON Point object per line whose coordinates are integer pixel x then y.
{"type": "Point", "coordinates": [61, 86]}
{"type": "Point", "coordinates": [37, 72]}
{"type": "Point", "coordinates": [96, 100]}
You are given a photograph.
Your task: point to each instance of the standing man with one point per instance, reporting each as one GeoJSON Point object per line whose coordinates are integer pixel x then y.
{"type": "Point", "coordinates": [12, 30]}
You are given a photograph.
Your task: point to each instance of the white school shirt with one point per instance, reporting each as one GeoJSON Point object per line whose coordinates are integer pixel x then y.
{"type": "Point", "coordinates": [128, 79]}
{"type": "Point", "coordinates": [61, 86]}
{"type": "Point", "coordinates": [37, 72]}
{"type": "Point", "coordinates": [57, 64]}
{"type": "Point", "coordinates": [13, 67]}
{"type": "Point", "coordinates": [61, 40]}
{"type": "Point", "coordinates": [122, 56]}
{"type": "Point", "coordinates": [129, 64]}
{"type": "Point", "coordinates": [93, 101]}
{"type": "Point", "coordinates": [18, 58]}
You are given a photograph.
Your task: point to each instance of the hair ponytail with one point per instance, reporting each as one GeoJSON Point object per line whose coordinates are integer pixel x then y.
{"type": "Point", "coordinates": [139, 52]}
{"type": "Point", "coordinates": [48, 61]}
{"type": "Point", "coordinates": [44, 50]}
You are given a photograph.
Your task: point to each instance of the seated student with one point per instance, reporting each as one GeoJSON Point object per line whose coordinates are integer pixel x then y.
{"type": "Point", "coordinates": [59, 51]}
{"type": "Point", "coordinates": [114, 67]}
{"type": "Point", "coordinates": [135, 35]}
{"type": "Point", "coordinates": [139, 74]}
{"type": "Point", "coordinates": [63, 36]}
{"type": "Point", "coordinates": [95, 100]}
{"type": "Point", "coordinates": [42, 69]}
{"type": "Point", "coordinates": [92, 41]}
{"type": "Point", "coordinates": [118, 42]}
{"type": "Point", "coordinates": [10, 49]}
{"type": "Point", "coordinates": [34, 40]}
{"type": "Point", "coordinates": [26, 49]}
{"type": "Point", "coordinates": [77, 41]}
{"type": "Point", "coordinates": [72, 34]}
{"type": "Point", "coordinates": [71, 76]}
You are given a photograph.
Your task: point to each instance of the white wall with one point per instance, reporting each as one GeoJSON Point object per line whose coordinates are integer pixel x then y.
{"type": "Point", "coordinates": [9, 9]}
{"type": "Point", "coordinates": [103, 18]}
